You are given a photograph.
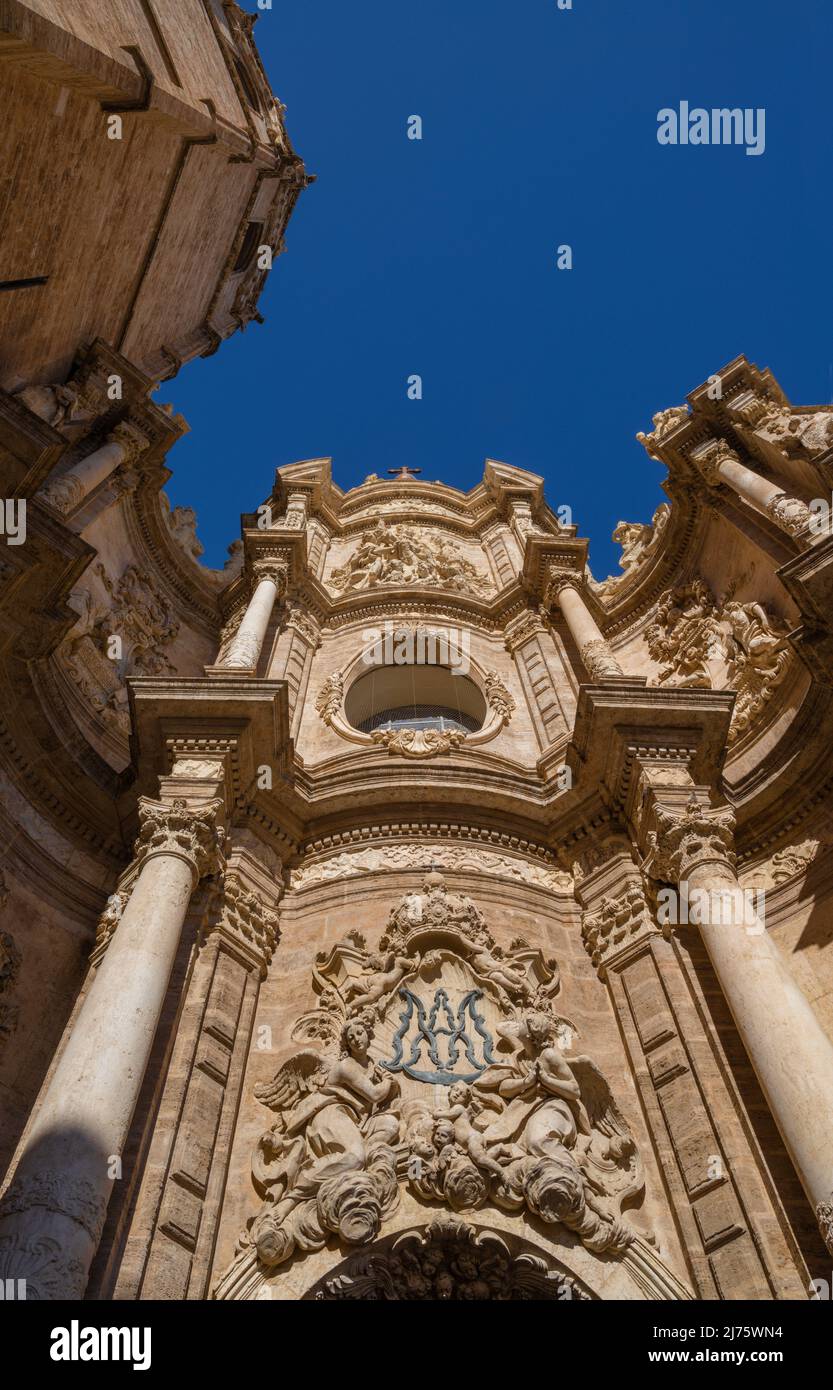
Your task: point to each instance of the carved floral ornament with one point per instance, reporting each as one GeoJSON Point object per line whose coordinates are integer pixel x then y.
{"type": "Point", "coordinates": [401, 556]}
{"type": "Point", "coordinates": [393, 856]}
{"type": "Point", "coordinates": [436, 1062]}
{"type": "Point", "coordinates": [415, 743]}
{"type": "Point", "coordinates": [697, 641]}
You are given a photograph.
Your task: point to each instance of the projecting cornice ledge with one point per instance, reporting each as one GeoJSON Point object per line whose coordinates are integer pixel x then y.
{"type": "Point", "coordinates": [623, 724]}
{"type": "Point", "coordinates": [240, 724]}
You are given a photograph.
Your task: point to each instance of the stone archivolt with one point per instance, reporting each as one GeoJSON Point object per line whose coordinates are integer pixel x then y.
{"type": "Point", "coordinates": [404, 556]}
{"type": "Point", "coordinates": [526, 1125]}
{"type": "Point", "coordinates": [697, 642]}
{"type": "Point", "coordinates": [449, 1262]}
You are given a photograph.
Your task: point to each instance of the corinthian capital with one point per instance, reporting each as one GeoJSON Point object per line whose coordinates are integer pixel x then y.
{"type": "Point", "coordinates": [708, 458]}
{"type": "Point", "coordinates": [131, 440]}
{"type": "Point", "coordinates": [560, 578]}
{"type": "Point", "coordinates": [276, 571]}
{"type": "Point", "coordinates": [682, 840]}
{"type": "Point", "coordinates": [175, 828]}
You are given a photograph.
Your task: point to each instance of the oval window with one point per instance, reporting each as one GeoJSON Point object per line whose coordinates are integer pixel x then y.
{"type": "Point", "coordinates": [414, 697]}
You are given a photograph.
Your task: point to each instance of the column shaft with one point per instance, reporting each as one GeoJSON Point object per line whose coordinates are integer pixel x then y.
{"type": "Point", "coordinates": [790, 1052]}
{"type": "Point", "coordinates": [593, 649]}
{"type": "Point", "coordinates": [245, 647]}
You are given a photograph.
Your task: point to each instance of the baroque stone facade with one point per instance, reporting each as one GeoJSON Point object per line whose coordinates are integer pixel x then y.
{"type": "Point", "coordinates": [369, 904]}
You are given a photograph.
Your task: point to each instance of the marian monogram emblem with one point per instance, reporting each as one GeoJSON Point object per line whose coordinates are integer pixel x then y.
{"type": "Point", "coordinates": [439, 1037]}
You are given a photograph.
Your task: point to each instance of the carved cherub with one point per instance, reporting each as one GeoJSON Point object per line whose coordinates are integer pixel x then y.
{"type": "Point", "coordinates": [381, 973]}
{"type": "Point", "coordinates": [501, 972]}
{"type": "Point", "coordinates": [459, 1117]}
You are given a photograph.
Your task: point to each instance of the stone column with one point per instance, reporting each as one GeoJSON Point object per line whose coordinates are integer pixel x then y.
{"type": "Point", "coordinates": [789, 1050]}
{"type": "Point", "coordinates": [66, 493]}
{"type": "Point", "coordinates": [718, 463]}
{"type": "Point", "coordinates": [244, 649]}
{"type": "Point", "coordinates": [706, 1162]}
{"type": "Point", "coordinates": [52, 1214]}
{"type": "Point", "coordinates": [176, 1211]}
{"type": "Point", "coordinates": [564, 588]}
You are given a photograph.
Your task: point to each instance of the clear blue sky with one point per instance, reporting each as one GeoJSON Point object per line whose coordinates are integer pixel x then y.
{"type": "Point", "coordinates": [439, 257]}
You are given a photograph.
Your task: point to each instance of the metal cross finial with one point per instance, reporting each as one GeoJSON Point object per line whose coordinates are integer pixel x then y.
{"type": "Point", "coordinates": [403, 474]}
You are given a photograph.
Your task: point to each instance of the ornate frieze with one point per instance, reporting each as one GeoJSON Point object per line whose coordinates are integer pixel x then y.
{"type": "Point", "coordinates": [404, 556]}
{"type": "Point", "coordinates": [407, 855]}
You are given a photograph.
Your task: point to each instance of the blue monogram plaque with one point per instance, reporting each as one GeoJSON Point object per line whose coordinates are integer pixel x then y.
{"type": "Point", "coordinates": [443, 1034]}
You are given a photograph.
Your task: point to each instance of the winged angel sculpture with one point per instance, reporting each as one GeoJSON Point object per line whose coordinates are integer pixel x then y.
{"type": "Point", "coordinates": [475, 1101]}
{"type": "Point", "coordinates": [539, 1130]}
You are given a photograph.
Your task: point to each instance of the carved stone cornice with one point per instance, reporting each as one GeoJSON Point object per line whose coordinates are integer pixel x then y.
{"type": "Point", "coordinates": [185, 832]}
